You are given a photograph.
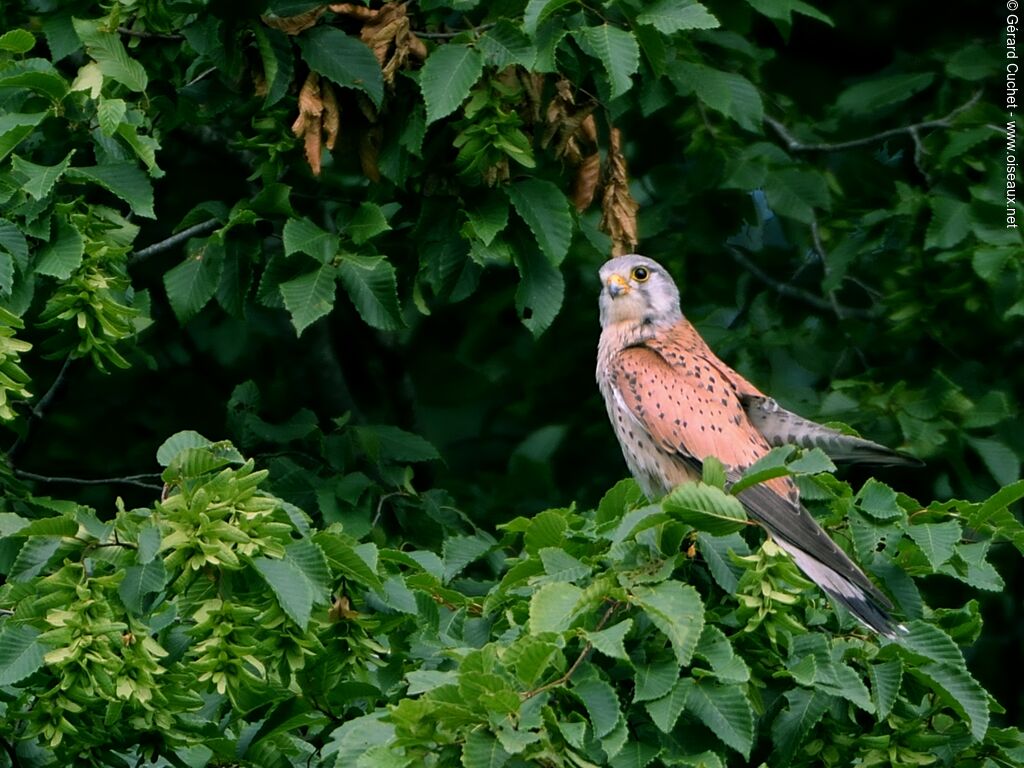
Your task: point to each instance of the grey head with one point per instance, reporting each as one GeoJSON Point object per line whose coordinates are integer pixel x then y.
{"type": "Point", "coordinates": [637, 290]}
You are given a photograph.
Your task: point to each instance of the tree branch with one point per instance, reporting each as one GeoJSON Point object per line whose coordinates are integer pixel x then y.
{"type": "Point", "coordinates": [136, 480]}
{"type": "Point", "coordinates": [795, 145]}
{"type": "Point", "coordinates": [39, 409]}
{"type": "Point", "coordinates": [450, 35]}
{"type": "Point", "coordinates": [148, 35]}
{"type": "Point", "coordinates": [165, 245]}
{"type": "Point", "coordinates": [795, 293]}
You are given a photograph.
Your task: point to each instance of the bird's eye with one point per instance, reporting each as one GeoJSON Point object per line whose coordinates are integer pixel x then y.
{"type": "Point", "coordinates": [641, 273]}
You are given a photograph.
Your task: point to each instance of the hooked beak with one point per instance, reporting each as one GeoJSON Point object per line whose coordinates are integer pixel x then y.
{"type": "Point", "coordinates": [617, 286]}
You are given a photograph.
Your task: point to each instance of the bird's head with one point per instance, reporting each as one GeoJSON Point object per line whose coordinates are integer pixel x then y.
{"type": "Point", "coordinates": [637, 290]}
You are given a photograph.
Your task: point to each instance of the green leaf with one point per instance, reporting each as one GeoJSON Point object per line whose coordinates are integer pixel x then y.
{"type": "Point", "coordinates": [715, 648]}
{"type": "Point", "coordinates": [726, 92]}
{"type": "Point", "coordinates": [343, 59]}
{"type": "Point", "coordinates": [783, 10]}
{"type": "Point", "coordinates": [616, 49]}
{"type": "Point", "coordinates": [937, 540]}
{"type": "Point", "coordinates": [310, 296]}
{"type": "Point", "coordinates": [540, 293]}
{"type": "Point", "coordinates": [460, 551]}
{"type": "Point", "coordinates": [291, 588]}
{"type": "Point", "coordinates": [545, 209]}
{"type": "Point", "coordinates": [488, 217]}
{"type": "Point", "coordinates": [345, 559]}
{"type": "Point", "coordinates": [368, 222]}
{"type": "Point", "coordinates": [791, 726]}
{"type": "Point", "coordinates": [482, 750]}
{"type": "Point", "coordinates": [139, 581]}
{"type": "Point", "coordinates": [15, 127]}
{"type": "Point", "coordinates": [878, 500]}
{"type": "Point", "coordinates": [955, 686]}
{"type": "Point", "coordinates": [17, 41]}
{"type": "Point", "coordinates": [192, 284]}
{"type": "Point", "coordinates": [388, 443]}
{"type": "Point", "coordinates": [446, 78]}
{"type": "Point", "coordinates": [601, 703]}
{"type": "Point", "coordinates": [63, 254]}
{"type": "Point", "coordinates": [124, 180]}
{"type": "Point", "coordinates": [538, 11]}
{"type": "Point", "coordinates": [373, 288]}
{"type": "Point", "coordinates": [928, 642]}
{"type": "Point", "coordinates": [33, 556]}
{"type": "Point", "coordinates": [505, 44]}
{"type": "Point", "coordinates": [38, 180]}
{"type": "Point", "coordinates": [610, 641]}
{"type": "Point", "coordinates": [999, 458]}
{"type": "Point", "coordinates": [655, 679]}
{"type": "Point", "coordinates": [716, 551]}
{"type": "Point", "coordinates": [553, 607]}
{"type": "Point", "coordinates": [6, 273]}
{"type": "Point", "coordinates": [726, 711]}
{"type": "Point", "coordinates": [37, 75]}
{"type": "Point", "coordinates": [665, 711]}
{"type": "Point", "coordinates": [950, 222]}
{"type": "Point", "coordinates": [796, 194]}
{"type": "Point", "coordinates": [109, 52]}
{"type": "Point", "coordinates": [886, 678]}
{"type": "Point", "coordinates": [179, 442]}
{"type": "Point", "coordinates": [303, 236]}
{"type": "Point", "coordinates": [676, 609]}
{"type": "Point", "coordinates": [110, 113]}
{"type": "Point", "coordinates": [870, 95]}
{"type": "Point", "coordinates": [311, 561]}
{"type": "Point", "coordinates": [21, 653]}
{"type": "Point", "coordinates": [706, 508]}
{"type": "Point", "coordinates": [668, 16]}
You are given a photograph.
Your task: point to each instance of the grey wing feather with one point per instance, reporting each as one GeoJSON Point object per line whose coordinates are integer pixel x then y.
{"type": "Point", "coordinates": [782, 427]}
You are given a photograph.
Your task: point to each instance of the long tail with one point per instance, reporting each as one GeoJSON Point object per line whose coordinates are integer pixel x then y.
{"type": "Point", "coordinates": [796, 531]}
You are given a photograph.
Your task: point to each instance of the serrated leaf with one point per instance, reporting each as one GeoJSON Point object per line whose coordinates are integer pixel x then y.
{"type": "Point", "coordinates": [796, 193]}
{"type": "Point", "coordinates": [345, 559]}
{"type": "Point", "coordinates": [715, 550]}
{"type": "Point", "coordinates": [33, 556]}
{"type": "Point", "coordinates": [124, 180]}
{"type": "Point", "coordinates": [345, 60]}
{"type": "Point", "coordinates": [373, 288]}
{"type": "Point", "coordinates": [610, 641]}
{"type": "Point", "coordinates": [793, 723]}
{"type": "Point", "coordinates": [928, 642]}
{"type": "Point", "coordinates": [878, 500]}
{"type": "Point", "coordinates": [179, 442]}
{"type": "Point", "coordinates": [15, 127]}
{"type": "Point", "coordinates": [384, 443]}
{"type": "Point", "coordinates": [488, 217]}
{"type": "Point", "coordinates": [110, 113]}
{"type": "Point", "coordinates": [937, 540]}
{"type": "Point", "coordinates": [303, 236]}
{"type": "Point", "coordinates": [950, 222]}
{"type": "Point", "coordinates": [668, 16]}
{"type": "Point", "coordinates": [505, 44]}
{"type": "Point", "coordinates": [109, 52]}
{"type": "Point", "coordinates": [312, 563]}
{"type": "Point", "coordinates": [616, 49]}
{"type": "Point", "coordinates": [538, 11]}
{"type": "Point", "coordinates": [63, 254]}
{"type": "Point", "coordinates": [601, 703]}
{"type": "Point", "coordinates": [870, 95]}
{"type": "Point", "coordinates": [482, 750]}
{"type": "Point", "coordinates": [666, 710]}
{"type": "Point", "coordinates": [726, 711]}
{"type": "Point", "coordinates": [37, 75]}
{"type": "Point", "coordinates": [726, 92]}
{"type": "Point", "coordinates": [446, 78]}
{"type": "Point", "coordinates": [39, 179]}
{"type": "Point", "coordinates": [460, 551]}
{"type": "Point", "coordinates": [553, 607]}
{"type": "Point", "coordinates": [545, 209]}
{"type": "Point", "coordinates": [292, 590]}
{"type": "Point", "coordinates": [676, 609]}
{"type": "Point", "coordinates": [17, 41]}
{"type": "Point", "coordinates": [955, 686]}
{"type": "Point", "coordinates": [140, 581]}
{"type": "Point", "coordinates": [21, 653]}
{"type": "Point", "coordinates": [981, 574]}
{"type": "Point", "coordinates": [783, 10]}
{"type": "Point", "coordinates": [540, 293]}
{"type": "Point", "coordinates": [6, 273]}
{"type": "Point", "coordinates": [715, 648]}
{"type": "Point", "coordinates": [192, 284]}
{"type": "Point", "coordinates": [999, 458]}
{"type": "Point", "coordinates": [886, 678]}
{"type": "Point", "coordinates": [310, 296]}
{"type": "Point", "coordinates": [367, 222]}
{"type": "Point", "coordinates": [706, 508]}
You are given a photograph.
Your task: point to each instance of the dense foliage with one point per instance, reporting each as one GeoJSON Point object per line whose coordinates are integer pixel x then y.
{"type": "Point", "coordinates": [334, 266]}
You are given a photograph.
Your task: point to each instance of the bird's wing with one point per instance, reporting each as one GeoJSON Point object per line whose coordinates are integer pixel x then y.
{"type": "Point", "coordinates": [782, 427]}
{"type": "Point", "coordinates": [692, 410]}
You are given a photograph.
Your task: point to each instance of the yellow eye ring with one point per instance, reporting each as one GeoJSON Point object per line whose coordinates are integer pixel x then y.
{"type": "Point", "coordinates": [640, 274]}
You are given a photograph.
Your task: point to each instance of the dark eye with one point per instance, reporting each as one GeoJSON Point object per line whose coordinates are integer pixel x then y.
{"type": "Point", "coordinates": [641, 273]}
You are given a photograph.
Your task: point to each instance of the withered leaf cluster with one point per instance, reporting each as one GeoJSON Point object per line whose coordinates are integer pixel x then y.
{"type": "Point", "coordinates": [319, 119]}
{"type": "Point", "coordinates": [572, 130]}
{"type": "Point", "coordinates": [387, 33]}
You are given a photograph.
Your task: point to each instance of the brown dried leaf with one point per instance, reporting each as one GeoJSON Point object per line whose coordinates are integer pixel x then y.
{"type": "Point", "coordinates": [369, 150]}
{"type": "Point", "coordinates": [584, 186]}
{"type": "Point", "coordinates": [353, 10]}
{"type": "Point", "coordinates": [293, 25]}
{"type": "Point", "coordinates": [309, 124]}
{"type": "Point", "coordinates": [331, 116]}
{"type": "Point", "coordinates": [387, 34]}
{"type": "Point", "coordinates": [618, 207]}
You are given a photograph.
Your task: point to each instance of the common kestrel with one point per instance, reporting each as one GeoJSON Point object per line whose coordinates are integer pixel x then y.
{"type": "Point", "coordinates": [673, 403]}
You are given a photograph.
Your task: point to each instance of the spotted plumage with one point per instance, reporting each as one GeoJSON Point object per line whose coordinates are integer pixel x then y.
{"type": "Point", "coordinates": [673, 403]}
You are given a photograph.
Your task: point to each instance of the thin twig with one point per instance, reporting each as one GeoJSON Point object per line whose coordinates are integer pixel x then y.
{"type": "Point", "coordinates": [839, 309]}
{"type": "Point", "coordinates": [795, 293]}
{"type": "Point", "coordinates": [149, 35]}
{"type": "Point", "coordinates": [450, 35]}
{"type": "Point", "coordinates": [165, 245]}
{"type": "Point", "coordinates": [560, 681]}
{"type": "Point", "coordinates": [136, 480]}
{"type": "Point", "coordinates": [39, 409]}
{"type": "Point", "coordinates": [795, 145]}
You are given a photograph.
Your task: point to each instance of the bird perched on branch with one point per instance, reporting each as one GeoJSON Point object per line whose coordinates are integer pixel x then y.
{"type": "Point", "coordinates": [673, 403]}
